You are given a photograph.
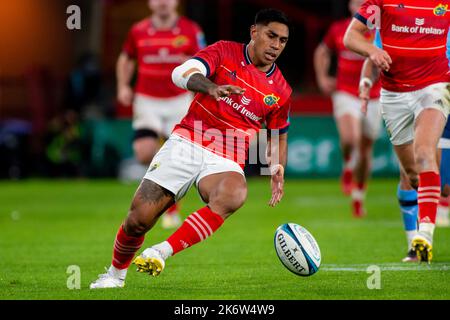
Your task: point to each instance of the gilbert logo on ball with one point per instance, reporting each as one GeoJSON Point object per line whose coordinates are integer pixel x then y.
{"type": "Point", "coordinates": [297, 249]}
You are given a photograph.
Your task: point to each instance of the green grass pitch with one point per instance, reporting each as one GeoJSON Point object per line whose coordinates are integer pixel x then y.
{"type": "Point", "coordinates": [47, 226]}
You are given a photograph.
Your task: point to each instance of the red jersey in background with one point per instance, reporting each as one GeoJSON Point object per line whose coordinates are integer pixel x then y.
{"type": "Point", "coordinates": [349, 64]}
{"type": "Point", "coordinates": [158, 52]}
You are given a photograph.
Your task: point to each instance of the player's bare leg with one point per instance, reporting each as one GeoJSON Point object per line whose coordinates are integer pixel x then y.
{"type": "Point", "coordinates": [224, 193]}
{"type": "Point", "coordinates": [145, 149]}
{"type": "Point", "coordinates": [429, 127]}
{"type": "Point", "coordinates": [407, 198]}
{"type": "Point", "coordinates": [405, 155]}
{"type": "Point", "coordinates": [349, 128]}
{"type": "Point", "coordinates": [149, 202]}
{"type": "Point", "coordinates": [361, 176]}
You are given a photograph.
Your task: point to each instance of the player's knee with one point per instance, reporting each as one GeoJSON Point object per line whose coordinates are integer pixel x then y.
{"type": "Point", "coordinates": [145, 150]}
{"type": "Point", "coordinates": [228, 200]}
{"type": "Point", "coordinates": [237, 198]}
{"type": "Point", "coordinates": [134, 226]}
{"type": "Point", "coordinates": [144, 157]}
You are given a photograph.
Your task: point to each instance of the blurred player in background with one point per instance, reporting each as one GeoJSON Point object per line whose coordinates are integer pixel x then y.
{"type": "Point", "coordinates": [442, 217]}
{"type": "Point", "coordinates": [406, 194]}
{"type": "Point", "coordinates": [158, 44]}
{"type": "Point", "coordinates": [357, 133]}
{"type": "Point", "coordinates": [414, 96]}
{"type": "Point", "coordinates": [239, 88]}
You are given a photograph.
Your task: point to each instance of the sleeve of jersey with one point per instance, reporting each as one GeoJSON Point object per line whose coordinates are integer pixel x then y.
{"type": "Point", "coordinates": [366, 10]}
{"type": "Point", "coordinates": [279, 118]}
{"type": "Point", "coordinates": [329, 39]}
{"type": "Point", "coordinates": [211, 57]}
{"type": "Point", "coordinates": [129, 47]}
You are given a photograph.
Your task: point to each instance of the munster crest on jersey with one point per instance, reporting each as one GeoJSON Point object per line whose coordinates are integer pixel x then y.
{"type": "Point", "coordinates": [271, 100]}
{"type": "Point", "coordinates": [440, 10]}
{"type": "Point", "coordinates": [180, 41]}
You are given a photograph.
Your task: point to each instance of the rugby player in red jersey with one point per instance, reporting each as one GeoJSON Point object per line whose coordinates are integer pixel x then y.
{"type": "Point", "coordinates": [158, 44]}
{"type": "Point", "coordinates": [239, 88]}
{"type": "Point", "coordinates": [442, 217]}
{"type": "Point", "coordinates": [414, 96]}
{"type": "Point", "coordinates": [357, 133]}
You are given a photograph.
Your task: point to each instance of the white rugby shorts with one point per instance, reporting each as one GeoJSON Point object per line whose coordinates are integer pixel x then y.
{"type": "Point", "coordinates": [181, 163]}
{"type": "Point", "coordinates": [345, 103]}
{"type": "Point", "coordinates": [159, 114]}
{"type": "Point", "coordinates": [401, 109]}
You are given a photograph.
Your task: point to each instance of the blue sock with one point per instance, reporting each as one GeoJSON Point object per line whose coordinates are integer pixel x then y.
{"type": "Point", "coordinates": [409, 208]}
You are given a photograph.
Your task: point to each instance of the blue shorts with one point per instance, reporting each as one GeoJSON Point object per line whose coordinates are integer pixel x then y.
{"type": "Point", "coordinates": [445, 167]}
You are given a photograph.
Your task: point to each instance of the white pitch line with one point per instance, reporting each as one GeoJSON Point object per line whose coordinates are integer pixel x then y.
{"type": "Point", "coordinates": [438, 266]}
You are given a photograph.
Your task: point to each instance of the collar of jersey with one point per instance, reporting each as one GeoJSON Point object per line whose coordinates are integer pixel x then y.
{"type": "Point", "coordinates": [248, 61]}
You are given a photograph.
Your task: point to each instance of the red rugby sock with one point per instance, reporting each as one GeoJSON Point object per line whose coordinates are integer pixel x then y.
{"type": "Point", "coordinates": [428, 196]}
{"type": "Point", "coordinates": [125, 247]}
{"type": "Point", "coordinates": [197, 227]}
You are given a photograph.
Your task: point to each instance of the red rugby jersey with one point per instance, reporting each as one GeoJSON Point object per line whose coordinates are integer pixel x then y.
{"type": "Point", "coordinates": [349, 64]}
{"type": "Point", "coordinates": [227, 126]}
{"type": "Point", "coordinates": [414, 33]}
{"type": "Point", "coordinates": [158, 52]}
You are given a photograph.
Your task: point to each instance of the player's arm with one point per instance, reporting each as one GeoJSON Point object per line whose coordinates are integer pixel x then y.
{"type": "Point", "coordinates": [356, 41]}
{"type": "Point", "coordinates": [124, 72]}
{"type": "Point", "coordinates": [369, 75]}
{"type": "Point", "coordinates": [276, 154]}
{"type": "Point", "coordinates": [322, 61]}
{"type": "Point", "coordinates": [192, 75]}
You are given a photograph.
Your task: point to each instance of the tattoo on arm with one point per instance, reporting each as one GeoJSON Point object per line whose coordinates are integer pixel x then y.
{"type": "Point", "coordinates": [152, 193]}
{"type": "Point", "coordinates": [199, 83]}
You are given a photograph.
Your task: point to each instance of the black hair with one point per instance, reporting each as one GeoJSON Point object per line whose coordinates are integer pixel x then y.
{"type": "Point", "coordinates": [266, 16]}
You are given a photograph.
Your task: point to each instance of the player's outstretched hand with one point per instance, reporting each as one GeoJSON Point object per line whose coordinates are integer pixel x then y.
{"type": "Point", "coordinates": [277, 184]}
{"type": "Point", "coordinates": [381, 59]}
{"type": "Point", "coordinates": [225, 91]}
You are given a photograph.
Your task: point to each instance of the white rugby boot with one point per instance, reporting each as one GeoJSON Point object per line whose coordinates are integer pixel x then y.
{"type": "Point", "coordinates": [111, 279]}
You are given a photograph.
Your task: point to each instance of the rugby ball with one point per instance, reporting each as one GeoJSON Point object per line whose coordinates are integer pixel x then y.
{"type": "Point", "coordinates": [297, 249]}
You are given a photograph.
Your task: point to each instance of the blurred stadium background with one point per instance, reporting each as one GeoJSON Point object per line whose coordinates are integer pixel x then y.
{"type": "Point", "coordinates": [59, 118]}
{"type": "Point", "coordinates": [58, 112]}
